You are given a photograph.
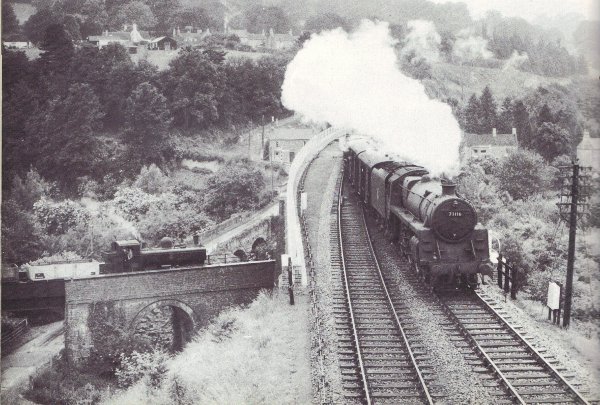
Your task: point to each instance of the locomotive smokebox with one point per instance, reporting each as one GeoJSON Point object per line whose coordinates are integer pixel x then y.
{"type": "Point", "coordinates": [448, 187]}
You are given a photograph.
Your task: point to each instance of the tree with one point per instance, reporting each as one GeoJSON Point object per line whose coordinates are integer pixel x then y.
{"type": "Point", "coordinates": [505, 119]}
{"type": "Point", "coordinates": [234, 188]}
{"type": "Point", "coordinates": [551, 140]}
{"type": "Point", "coordinates": [522, 123]}
{"type": "Point", "coordinates": [64, 134]}
{"type": "Point", "coordinates": [325, 22]}
{"type": "Point", "coordinates": [196, 17]}
{"type": "Point", "coordinates": [21, 237]}
{"type": "Point", "coordinates": [58, 50]}
{"type": "Point", "coordinates": [194, 84]}
{"type": "Point", "coordinates": [35, 26]}
{"type": "Point", "coordinates": [147, 123]}
{"type": "Point", "coordinates": [471, 116]}
{"type": "Point", "coordinates": [487, 111]}
{"type": "Point", "coordinates": [523, 174]}
{"type": "Point", "coordinates": [163, 11]}
{"type": "Point", "coordinates": [10, 24]}
{"type": "Point", "coordinates": [545, 115]}
{"type": "Point", "coordinates": [135, 12]}
{"type": "Point", "coordinates": [259, 18]}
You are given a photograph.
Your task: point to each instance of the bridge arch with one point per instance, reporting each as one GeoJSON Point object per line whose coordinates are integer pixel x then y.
{"type": "Point", "coordinates": [168, 323]}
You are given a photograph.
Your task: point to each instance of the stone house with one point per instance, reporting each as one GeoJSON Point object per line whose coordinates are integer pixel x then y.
{"type": "Point", "coordinates": [285, 143]}
{"type": "Point", "coordinates": [495, 145]}
{"type": "Point", "coordinates": [128, 39]}
{"type": "Point", "coordinates": [162, 44]}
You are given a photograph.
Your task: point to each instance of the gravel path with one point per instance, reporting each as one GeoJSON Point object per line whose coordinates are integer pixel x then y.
{"type": "Point", "coordinates": [320, 185]}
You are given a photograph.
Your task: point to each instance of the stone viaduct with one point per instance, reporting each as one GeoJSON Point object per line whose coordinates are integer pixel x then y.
{"type": "Point", "coordinates": [195, 296]}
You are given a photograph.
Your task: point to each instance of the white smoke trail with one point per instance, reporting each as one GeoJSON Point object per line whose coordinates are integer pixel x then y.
{"type": "Point", "coordinates": [469, 47]}
{"type": "Point", "coordinates": [352, 81]}
{"type": "Point", "coordinates": [422, 40]}
{"type": "Point", "coordinates": [516, 60]}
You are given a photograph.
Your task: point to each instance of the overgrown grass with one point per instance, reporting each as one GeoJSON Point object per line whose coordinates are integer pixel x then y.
{"type": "Point", "coordinates": [258, 355]}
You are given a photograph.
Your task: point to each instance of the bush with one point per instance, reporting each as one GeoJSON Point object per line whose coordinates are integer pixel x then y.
{"type": "Point", "coordinates": [151, 180]}
{"type": "Point", "coordinates": [56, 218]}
{"type": "Point", "coordinates": [179, 223]}
{"type": "Point", "coordinates": [133, 202]}
{"type": "Point", "coordinates": [150, 366]}
{"type": "Point", "coordinates": [524, 174]}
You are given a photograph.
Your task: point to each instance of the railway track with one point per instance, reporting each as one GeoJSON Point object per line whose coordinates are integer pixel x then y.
{"type": "Point", "coordinates": [378, 364]}
{"type": "Point", "coordinates": [521, 369]}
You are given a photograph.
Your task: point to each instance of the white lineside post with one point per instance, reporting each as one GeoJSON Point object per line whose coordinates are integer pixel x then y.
{"type": "Point", "coordinates": [293, 240]}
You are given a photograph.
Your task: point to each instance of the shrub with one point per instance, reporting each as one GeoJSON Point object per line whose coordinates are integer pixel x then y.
{"type": "Point", "coordinates": [137, 366]}
{"type": "Point", "coordinates": [151, 180]}
{"type": "Point", "coordinates": [58, 217]}
{"type": "Point", "coordinates": [179, 223]}
{"type": "Point", "coordinates": [133, 202]}
{"type": "Point", "coordinates": [523, 174]}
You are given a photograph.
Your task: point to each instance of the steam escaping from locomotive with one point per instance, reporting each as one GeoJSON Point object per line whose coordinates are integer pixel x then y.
{"type": "Point", "coordinates": [351, 80]}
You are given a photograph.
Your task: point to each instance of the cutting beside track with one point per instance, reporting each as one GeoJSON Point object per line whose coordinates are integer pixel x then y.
{"type": "Point", "coordinates": [379, 362]}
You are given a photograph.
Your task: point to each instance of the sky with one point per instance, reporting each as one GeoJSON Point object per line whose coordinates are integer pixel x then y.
{"type": "Point", "coordinates": [530, 9]}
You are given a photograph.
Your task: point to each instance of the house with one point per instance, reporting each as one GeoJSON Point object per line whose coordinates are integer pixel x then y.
{"type": "Point", "coordinates": [285, 142]}
{"type": "Point", "coordinates": [588, 151]}
{"type": "Point", "coordinates": [189, 36]}
{"type": "Point", "coordinates": [162, 43]}
{"type": "Point", "coordinates": [280, 41]}
{"type": "Point", "coordinates": [128, 39]}
{"type": "Point", "coordinates": [268, 40]}
{"type": "Point", "coordinates": [495, 145]}
{"type": "Point", "coordinates": [17, 44]}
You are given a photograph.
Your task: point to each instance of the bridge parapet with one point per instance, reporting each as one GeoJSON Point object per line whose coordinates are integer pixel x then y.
{"type": "Point", "coordinates": [200, 292]}
{"type": "Point", "coordinates": [294, 243]}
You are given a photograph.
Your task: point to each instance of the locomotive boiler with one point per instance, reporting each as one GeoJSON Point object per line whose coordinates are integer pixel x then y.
{"type": "Point", "coordinates": [435, 227]}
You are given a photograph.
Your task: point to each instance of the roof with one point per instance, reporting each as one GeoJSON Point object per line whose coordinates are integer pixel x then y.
{"type": "Point", "coordinates": [289, 134]}
{"type": "Point", "coordinates": [112, 36]}
{"type": "Point", "coordinates": [489, 140]}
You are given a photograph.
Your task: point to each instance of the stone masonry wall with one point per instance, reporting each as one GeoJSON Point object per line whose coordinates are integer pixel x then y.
{"type": "Point", "coordinates": [201, 292]}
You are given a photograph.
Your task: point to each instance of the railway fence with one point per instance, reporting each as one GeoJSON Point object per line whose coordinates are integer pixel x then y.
{"type": "Point", "coordinates": [507, 277]}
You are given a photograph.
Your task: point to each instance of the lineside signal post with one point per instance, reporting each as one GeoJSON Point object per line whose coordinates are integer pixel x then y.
{"type": "Point", "coordinates": [573, 202]}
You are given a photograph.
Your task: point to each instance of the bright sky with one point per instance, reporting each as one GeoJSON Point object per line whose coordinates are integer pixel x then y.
{"type": "Point", "coordinates": [529, 9]}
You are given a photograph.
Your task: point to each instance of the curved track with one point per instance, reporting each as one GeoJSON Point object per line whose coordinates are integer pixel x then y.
{"type": "Point", "coordinates": [522, 370]}
{"type": "Point", "coordinates": [382, 366]}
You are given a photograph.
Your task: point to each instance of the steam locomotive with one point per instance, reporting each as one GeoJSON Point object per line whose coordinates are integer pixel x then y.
{"type": "Point", "coordinates": [435, 227]}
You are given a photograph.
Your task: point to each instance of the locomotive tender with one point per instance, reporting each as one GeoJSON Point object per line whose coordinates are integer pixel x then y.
{"type": "Point", "coordinates": [436, 228]}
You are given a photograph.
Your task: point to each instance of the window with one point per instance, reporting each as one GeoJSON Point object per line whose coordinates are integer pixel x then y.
{"type": "Point", "coordinates": [474, 150]}
{"type": "Point", "coordinates": [482, 150]}
{"type": "Point", "coordinates": [277, 144]}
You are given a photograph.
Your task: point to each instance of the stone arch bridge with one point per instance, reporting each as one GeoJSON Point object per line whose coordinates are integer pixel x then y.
{"type": "Point", "coordinates": [132, 300]}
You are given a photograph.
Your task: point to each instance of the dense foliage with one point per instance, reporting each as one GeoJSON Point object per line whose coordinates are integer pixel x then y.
{"type": "Point", "coordinates": [63, 112]}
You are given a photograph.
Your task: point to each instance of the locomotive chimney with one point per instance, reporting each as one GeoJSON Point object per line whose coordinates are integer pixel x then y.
{"type": "Point", "coordinates": [494, 132]}
{"type": "Point", "coordinates": [448, 188]}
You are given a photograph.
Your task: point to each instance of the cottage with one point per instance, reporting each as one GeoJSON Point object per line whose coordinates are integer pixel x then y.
{"type": "Point", "coordinates": [128, 39]}
{"type": "Point", "coordinates": [588, 151]}
{"type": "Point", "coordinates": [280, 41]}
{"type": "Point", "coordinates": [286, 142]}
{"type": "Point", "coordinates": [189, 36]}
{"type": "Point", "coordinates": [17, 44]}
{"type": "Point", "coordinates": [495, 145]}
{"type": "Point", "coordinates": [162, 43]}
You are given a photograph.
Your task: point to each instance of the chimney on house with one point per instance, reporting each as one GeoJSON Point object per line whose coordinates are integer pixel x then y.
{"type": "Point", "coordinates": [494, 132]}
{"type": "Point", "coordinates": [178, 31]}
{"type": "Point", "coordinates": [271, 32]}
{"type": "Point", "coordinates": [514, 131]}
{"type": "Point", "coordinates": [124, 27]}
{"type": "Point", "coordinates": [291, 32]}
{"type": "Point", "coordinates": [174, 32]}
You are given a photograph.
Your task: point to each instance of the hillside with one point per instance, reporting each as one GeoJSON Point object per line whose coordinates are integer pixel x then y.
{"type": "Point", "coordinates": [460, 81]}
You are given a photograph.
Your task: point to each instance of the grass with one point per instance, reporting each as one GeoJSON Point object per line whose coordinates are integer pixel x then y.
{"type": "Point", "coordinates": [258, 355]}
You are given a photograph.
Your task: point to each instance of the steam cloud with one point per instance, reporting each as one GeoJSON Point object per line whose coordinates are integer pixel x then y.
{"type": "Point", "coordinates": [469, 47]}
{"type": "Point", "coordinates": [352, 81]}
{"type": "Point", "coordinates": [516, 60]}
{"type": "Point", "coordinates": [422, 40]}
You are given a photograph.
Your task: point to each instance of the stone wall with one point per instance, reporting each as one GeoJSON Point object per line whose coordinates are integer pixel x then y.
{"type": "Point", "coordinates": [202, 293]}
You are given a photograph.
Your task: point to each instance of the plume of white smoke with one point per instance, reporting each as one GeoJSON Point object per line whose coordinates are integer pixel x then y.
{"type": "Point", "coordinates": [469, 47]}
{"type": "Point", "coordinates": [352, 81]}
{"type": "Point", "coordinates": [516, 60]}
{"type": "Point", "coordinates": [422, 40]}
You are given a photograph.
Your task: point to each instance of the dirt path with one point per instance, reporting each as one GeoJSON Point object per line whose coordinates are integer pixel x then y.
{"type": "Point", "coordinates": [26, 360]}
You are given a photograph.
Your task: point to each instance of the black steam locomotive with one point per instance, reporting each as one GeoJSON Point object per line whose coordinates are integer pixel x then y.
{"type": "Point", "coordinates": [436, 228]}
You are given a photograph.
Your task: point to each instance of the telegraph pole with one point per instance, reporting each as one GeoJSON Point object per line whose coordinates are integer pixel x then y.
{"type": "Point", "coordinates": [571, 253]}
{"type": "Point", "coordinates": [574, 193]}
